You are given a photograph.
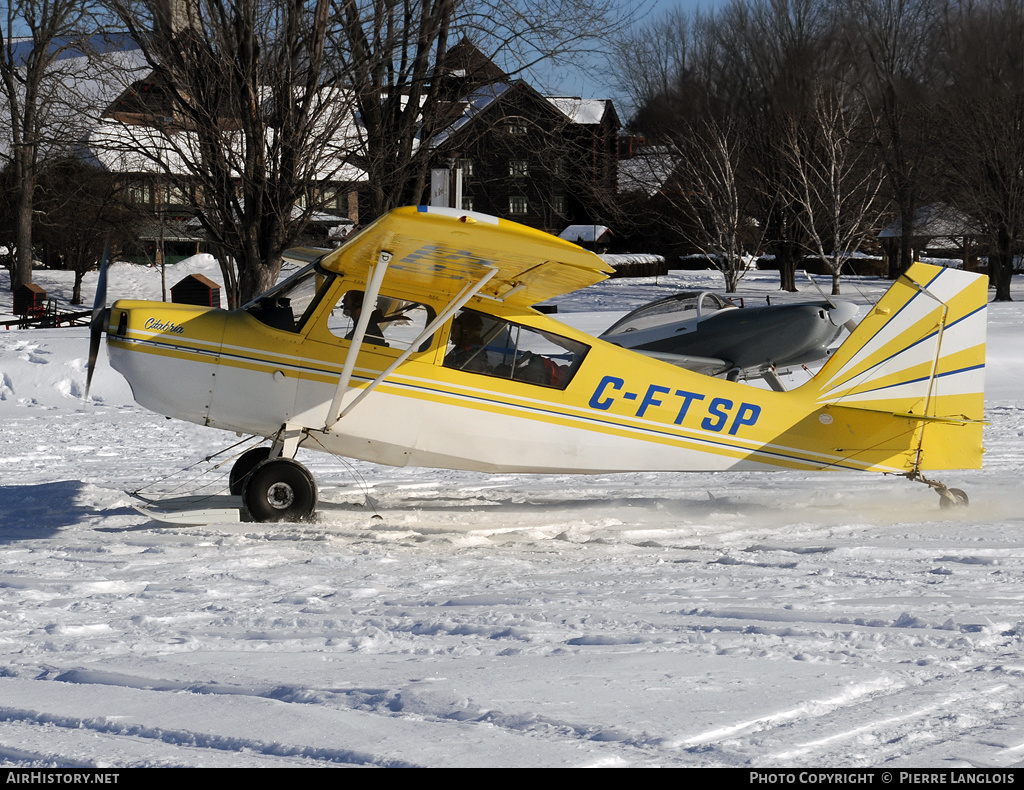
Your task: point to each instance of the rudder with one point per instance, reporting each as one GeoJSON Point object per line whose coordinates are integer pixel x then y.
{"type": "Point", "coordinates": [919, 355]}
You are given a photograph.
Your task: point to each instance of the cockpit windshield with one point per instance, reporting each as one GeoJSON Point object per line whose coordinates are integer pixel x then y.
{"type": "Point", "coordinates": [689, 305]}
{"type": "Point", "coordinates": [289, 303]}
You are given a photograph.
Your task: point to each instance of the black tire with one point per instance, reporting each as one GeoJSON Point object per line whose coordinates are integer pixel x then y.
{"type": "Point", "coordinates": [960, 497]}
{"type": "Point", "coordinates": [244, 466]}
{"type": "Point", "coordinates": [280, 490]}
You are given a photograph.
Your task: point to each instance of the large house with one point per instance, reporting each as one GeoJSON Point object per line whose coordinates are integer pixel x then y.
{"type": "Point", "coordinates": [548, 162]}
{"type": "Point", "coordinates": [545, 161]}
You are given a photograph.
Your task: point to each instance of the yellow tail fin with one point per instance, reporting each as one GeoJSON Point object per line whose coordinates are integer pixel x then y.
{"type": "Point", "coordinates": [919, 355]}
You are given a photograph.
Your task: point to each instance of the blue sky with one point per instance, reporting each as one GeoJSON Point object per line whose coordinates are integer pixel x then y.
{"type": "Point", "coordinates": [594, 80]}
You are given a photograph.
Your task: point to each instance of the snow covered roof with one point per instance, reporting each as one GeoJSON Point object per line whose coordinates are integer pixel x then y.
{"type": "Point", "coordinates": [625, 258]}
{"type": "Point", "coordinates": [582, 111]}
{"type": "Point", "coordinates": [131, 148]}
{"type": "Point", "coordinates": [585, 233]}
{"type": "Point", "coordinates": [476, 103]}
{"type": "Point", "coordinates": [88, 85]}
{"type": "Point", "coordinates": [323, 218]}
{"type": "Point", "coordinates": [119, 148]}
{"type": "Point", "coordinates": [576, 110]}
{"type": "Point", "coordinates": [648, 171]}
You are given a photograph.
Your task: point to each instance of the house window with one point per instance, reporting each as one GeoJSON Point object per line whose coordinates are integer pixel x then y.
{"type": "Point", "coordinates": [467, 167]}
{"type": "Point", "coordinates": [517, 204]}
{"type": "Point", "coordinates": [140, 192]}
{"type": "Point", "coordinates": [559, 166]}
{"type": "Point", "coordinates": [328, 198]}
{"type": "Point", "coordinates": [516, 127]}
{"type": "Point", "coordinates": [518, 168]}
{"type": "Point", "coordinates": [558, 204]}
{"type": "Point", "coordinates": [467, 203]}
{"type": "Point", "coordinates": [175, 195]}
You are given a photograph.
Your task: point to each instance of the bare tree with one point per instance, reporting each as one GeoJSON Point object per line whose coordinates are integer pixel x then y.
{"type": "Point", "coordinates": [81, 209]}
{"type": "Point", "coordinates": [897, 46]}
{"type": "Point", "coordinates": [983, 112]}
{"type": "Point", "coordinates": [836, 180]}
{"type": "Point", "coordinates": [748, 70]}
{"type": "Point", "coordinates": [36, 91]}
{"type": "Point", "coordinates": [246, 110]}
{"type": "Point", "coordinates": [690, 112]}
{"type": "Point", "coordinates": [776, 48]}
{"type": "Point", "coordinates": [708, 188]}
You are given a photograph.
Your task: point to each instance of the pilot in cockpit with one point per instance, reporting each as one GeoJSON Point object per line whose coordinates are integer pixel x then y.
{"type": "Point", "coordinates": [467, 338]}
{"type": "Point", "coordinates": [352, 306]}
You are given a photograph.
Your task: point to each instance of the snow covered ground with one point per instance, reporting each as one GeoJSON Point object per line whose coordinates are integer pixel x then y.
{"type": "Point", "coordinates": [750, 620]}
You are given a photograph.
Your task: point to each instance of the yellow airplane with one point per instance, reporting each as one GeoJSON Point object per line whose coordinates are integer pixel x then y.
{"type": "Point", "coordinates": [416, 344]}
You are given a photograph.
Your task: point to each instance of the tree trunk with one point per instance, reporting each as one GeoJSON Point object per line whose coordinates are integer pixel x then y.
{"type": "Point", "coordinates": [1002, 270]}
{"type": "Point", "coordinates": [732, 278]}
{"type": "Point", "coordinates": [22, 268]}
{"type": "Point", "coordinates": [76, 292]}
{"type": "Point", "coordinates": [786, 259]}
{"type": "Point", "coordinates": [254, 280]}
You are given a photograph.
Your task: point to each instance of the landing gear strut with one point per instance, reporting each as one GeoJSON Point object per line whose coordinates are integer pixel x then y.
{"type": "Point", "coordinates": [272, 484]}
{"type": "Point", "coordinates": [948, 497]}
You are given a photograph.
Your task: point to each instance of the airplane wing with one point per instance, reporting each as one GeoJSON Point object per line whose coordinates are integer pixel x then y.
{"type": "Point", "coordinates": [304, 255]}
{"type": "Point", "coordinates": [440, 251]}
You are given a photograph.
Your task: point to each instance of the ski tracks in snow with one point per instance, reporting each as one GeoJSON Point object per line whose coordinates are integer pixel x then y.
{"type": "Point", "coordinates": [734, 619]}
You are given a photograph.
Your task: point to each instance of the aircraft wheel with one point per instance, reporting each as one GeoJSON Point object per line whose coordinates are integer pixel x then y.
{"type": "Point", "coordinates": [280, 490]}
{"type": "Point", "coordinates": [244, 466]}
{"type": "Point", "coordinates": [959, 499]}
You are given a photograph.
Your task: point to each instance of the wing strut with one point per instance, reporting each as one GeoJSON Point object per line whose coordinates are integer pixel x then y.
{"type": "Point", "coordinates": [376, 277]}
{"type": "Point", "coordinates": [454, 306]}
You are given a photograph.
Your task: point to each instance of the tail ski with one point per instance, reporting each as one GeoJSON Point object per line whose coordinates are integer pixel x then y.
{"type": "Point", "coordinates": [919, 357]}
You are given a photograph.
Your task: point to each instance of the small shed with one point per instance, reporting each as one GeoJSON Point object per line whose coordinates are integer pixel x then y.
{"type": "Point", "coordinates": [29, 301]}
{"type": "Point", "coordinates": [196, 289]}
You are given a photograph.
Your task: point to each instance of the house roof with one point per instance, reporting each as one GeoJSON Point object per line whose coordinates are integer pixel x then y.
{"type": "Point", "coordinates": [585, 233]}
{"type": "Point", "coordinates": [582, 111]}
{"type": "Point", "coordinates": [476, 104]}
{"type": "Point", "coordinates": [88, 86]}
{"type": "Point", "coordinates": [647, 171]}
{"type": "Point", "coordinates": [937, 221]}
{"type": "Point", "coordinates": [119, 147]}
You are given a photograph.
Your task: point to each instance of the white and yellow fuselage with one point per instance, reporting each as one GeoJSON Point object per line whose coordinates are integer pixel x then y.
{"type": "Point", "coordinates": [903, 393]}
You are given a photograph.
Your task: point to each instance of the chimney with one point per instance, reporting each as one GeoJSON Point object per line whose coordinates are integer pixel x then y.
{"type": "Point", "coordinates": [172, 16]}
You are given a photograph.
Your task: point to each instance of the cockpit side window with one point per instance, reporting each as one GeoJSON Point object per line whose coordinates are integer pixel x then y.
{"type": "Point", "coordinates": [393, 322]}
{"type": "Point", "coordinates": [289, 304]}
{"type": "Point", "coordinates": [481, 343]}
{"type": "Point", "coordinates": [711, 303]}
